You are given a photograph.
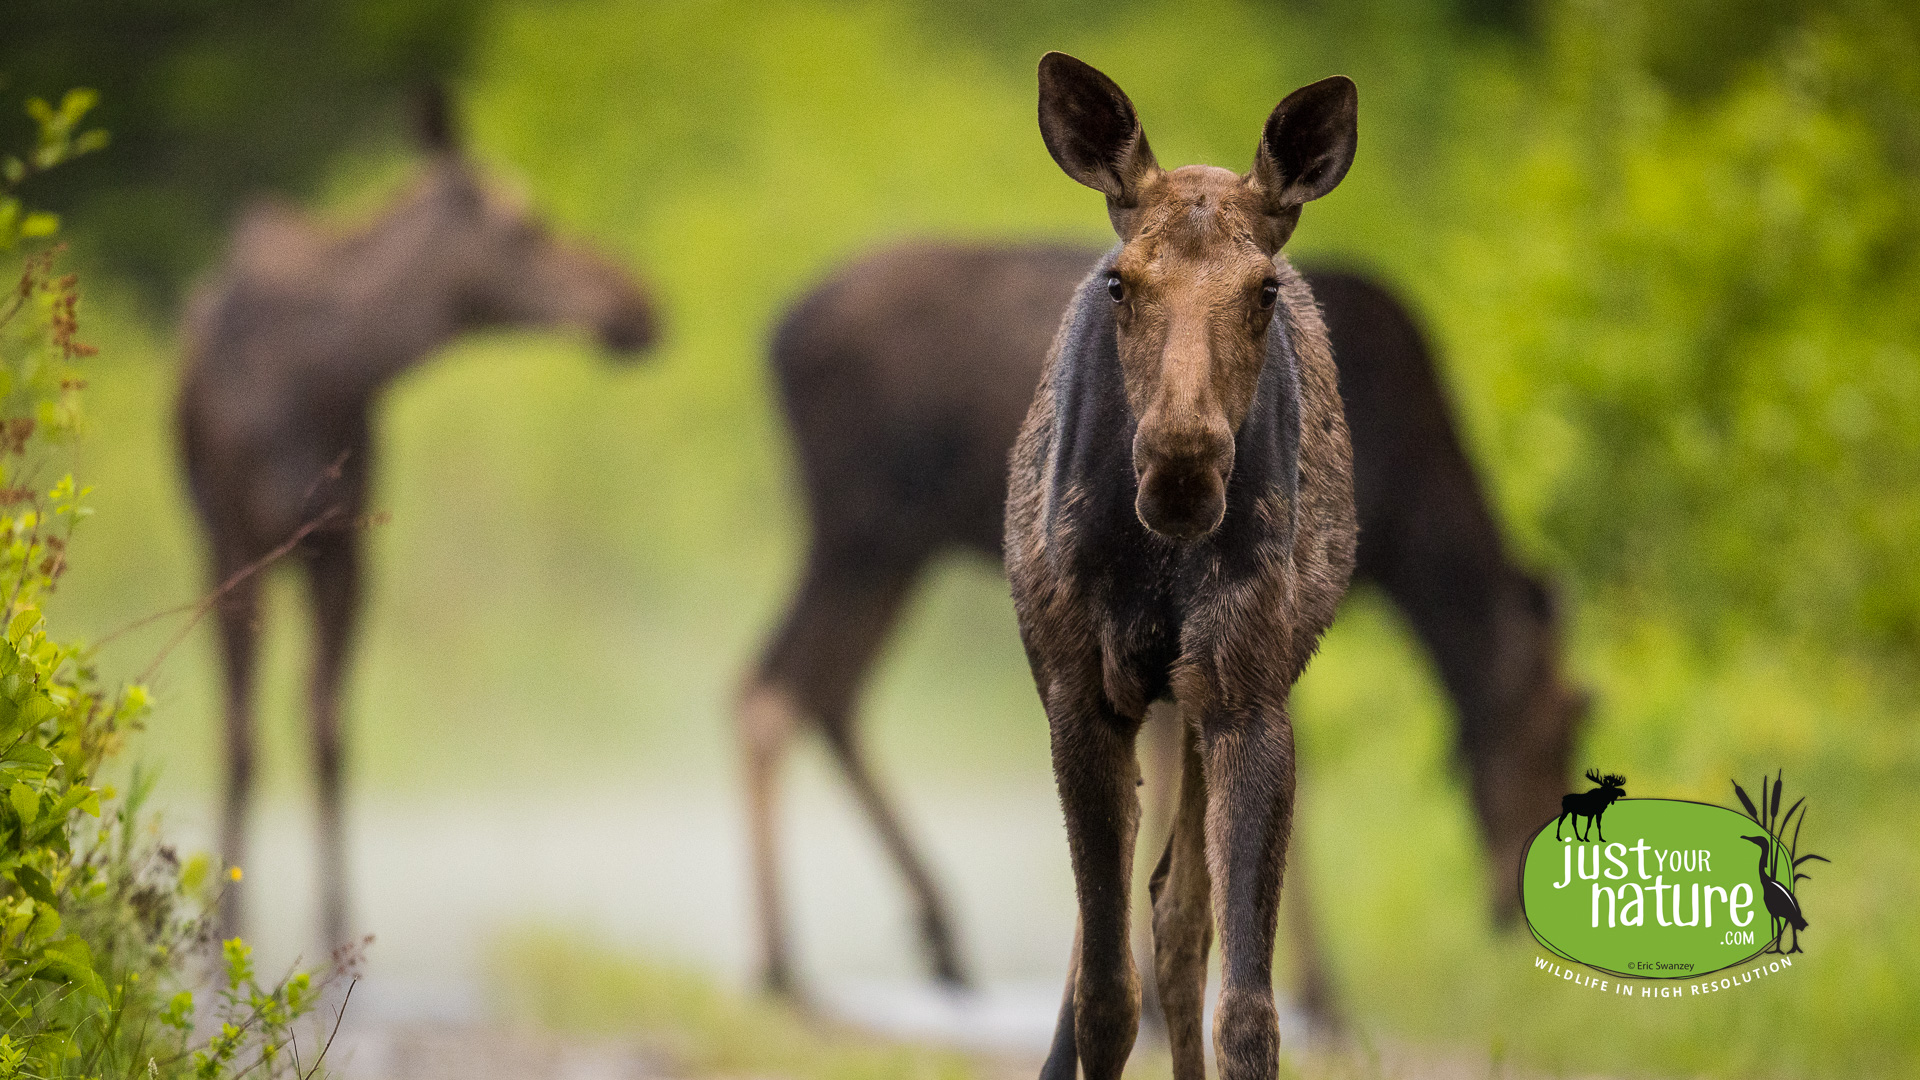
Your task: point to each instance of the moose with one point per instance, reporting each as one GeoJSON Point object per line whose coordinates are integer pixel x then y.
{"type": "Point", "coordinates": [287, 346]}
{"type": "Point", "coordinates": [1181, 524]}
{"type": "Point", "coordinates": [904, 378]}
{"type": "Point", "coordinates": [1591, 805]}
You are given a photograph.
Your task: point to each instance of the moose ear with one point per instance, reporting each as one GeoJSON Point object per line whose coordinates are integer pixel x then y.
{"type": "Point", "coordinates": [1093, 133]}
{"type": "Point", "coordinates": [1305, 150]}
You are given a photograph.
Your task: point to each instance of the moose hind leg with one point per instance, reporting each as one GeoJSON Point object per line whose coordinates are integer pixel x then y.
{"type": "Point", "coordinates": [813, 669]}
{"type": "Point", "coordinates": [936, 925]}
{"type": "Point", "coordinates": [1182, 920]}
{"type": "Point", "coordinates": [767, 718]}
{"type": "Point", "coordinates": [1248, 763]}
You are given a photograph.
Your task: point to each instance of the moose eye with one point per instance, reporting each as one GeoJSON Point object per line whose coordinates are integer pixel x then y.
{"type": "Point", "coordinates": [1269, 292]}
{"type": "Point", "coordinates": [1115, 288]}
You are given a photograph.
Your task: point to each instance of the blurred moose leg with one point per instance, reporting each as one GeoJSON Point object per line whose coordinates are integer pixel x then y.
{"type": "Point", "coordinates": [936, 925]}
{"type": "Point", "coordinates": [239, 640]}
{"type": "Point", "coordinates": [1313, 985]}
{"type": "Point", "coordinates": [766, 719]}
{"type": "Point", "coordinates": [333, 577]}
{"type": "Point", "coordinates": [833, 631]}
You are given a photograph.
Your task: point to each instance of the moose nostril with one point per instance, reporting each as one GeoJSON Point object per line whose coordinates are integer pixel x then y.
{"type": "Point", "coordinates": [632, 332]}
{"type": "Point", "coordinates": [1182, 504]}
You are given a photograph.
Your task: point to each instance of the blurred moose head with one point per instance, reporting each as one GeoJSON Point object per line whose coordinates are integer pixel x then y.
{"type": "Point", "coordinates": [508, 268]}
{"type": "Point", "coordinates": [1520, 722]}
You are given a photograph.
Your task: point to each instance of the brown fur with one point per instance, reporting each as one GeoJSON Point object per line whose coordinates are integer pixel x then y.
{"type": "Point", "coordinates": [288, 345]}
{"type": "Point", "coordinates": [1230, 443]}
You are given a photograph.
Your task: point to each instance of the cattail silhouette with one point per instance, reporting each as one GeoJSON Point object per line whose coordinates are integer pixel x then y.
{"type": "Point", "coordinates": [1781, 903]}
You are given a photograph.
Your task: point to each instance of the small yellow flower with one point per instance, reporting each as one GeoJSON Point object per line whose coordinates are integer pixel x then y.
{"type": "Point", "coordinates": [235, 874]}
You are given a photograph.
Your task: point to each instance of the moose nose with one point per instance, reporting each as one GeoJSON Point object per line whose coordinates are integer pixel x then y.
{"type": "Point", "coordinates": [1183, 481]}
{"type": "Point", "coordinates": [1182, 504]}
{"type": "Point", "coordinates": [631, 330]}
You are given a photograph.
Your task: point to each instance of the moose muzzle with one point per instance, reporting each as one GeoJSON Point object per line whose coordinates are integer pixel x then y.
{"type": "Point", "coordinates": [1182, 479]}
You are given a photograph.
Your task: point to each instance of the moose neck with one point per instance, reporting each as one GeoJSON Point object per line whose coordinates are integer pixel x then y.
{"type": "Point", "coordinates": [400, 295]}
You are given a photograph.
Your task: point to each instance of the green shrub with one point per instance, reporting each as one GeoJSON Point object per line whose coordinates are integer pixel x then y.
{"type": "Point", "coordinates": [99, 924]}
{"type": "Point", "coordinates": [1693, 322]}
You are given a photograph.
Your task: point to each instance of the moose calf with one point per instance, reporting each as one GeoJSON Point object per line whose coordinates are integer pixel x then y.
{"type": "Point", "coordinates": [1181, 524]}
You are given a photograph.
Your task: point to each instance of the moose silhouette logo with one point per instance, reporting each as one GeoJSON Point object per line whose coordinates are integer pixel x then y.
{"type": "Point", "coordinates": [1671, 895]}
{"type": "Point", "coordinates": [1591, 805]}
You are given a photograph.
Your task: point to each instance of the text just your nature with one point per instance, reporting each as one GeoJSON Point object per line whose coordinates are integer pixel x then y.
{"type": "Point", "coordinates": [1626, 904]}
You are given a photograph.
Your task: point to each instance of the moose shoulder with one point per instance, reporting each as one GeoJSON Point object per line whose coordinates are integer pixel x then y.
{"type": "Point", "coordinates": [1180, 523]}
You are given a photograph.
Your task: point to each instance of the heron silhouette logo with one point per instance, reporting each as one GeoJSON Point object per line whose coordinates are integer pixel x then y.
{"type": "Point", "coordinates": [1667, 888]}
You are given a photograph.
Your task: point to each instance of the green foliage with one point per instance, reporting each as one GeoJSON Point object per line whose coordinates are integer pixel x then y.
{"type": "Point", "coordinates": [1700, 321]}
{"type": "Point", "coordinates": [59, 141]}
{"type": "Point", "coordinates": [96, 925]}
{"type": "Point", "coordinates": [215, 103]}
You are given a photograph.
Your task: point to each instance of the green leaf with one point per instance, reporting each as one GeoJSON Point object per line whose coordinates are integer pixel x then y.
{"type": "Point", "coordinates": [25, 800]}
{"type": "Point", "coordinates": [29, 753]}
{"type": "Point", "coordinates": [35, 884]}
{"type": "Point", "coordinates": [72, 956]}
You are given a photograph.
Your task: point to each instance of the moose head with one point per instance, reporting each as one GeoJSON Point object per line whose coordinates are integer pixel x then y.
{"type": "Point", "coordinates": [503, 263]}
{"type": "Point", "coordinates": [1194, 286]}
{"type": "Point", "coordinates": [1612, 785]}
{"type": "Point", "coordinates": [1518, 727]}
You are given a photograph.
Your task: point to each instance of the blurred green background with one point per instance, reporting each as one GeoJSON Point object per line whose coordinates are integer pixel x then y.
{"type": "Point", "coordinates": [1670, 253]}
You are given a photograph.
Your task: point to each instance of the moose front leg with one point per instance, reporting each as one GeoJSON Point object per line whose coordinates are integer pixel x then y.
{"type": "Point", "coordinates": [1247, 759]}
{"type": "Point", "coordinates": [239, 641]}
{"type": "Point", "coordinates": [333, 574]}
{"type": "Point", "coordinates": [1094, 767]}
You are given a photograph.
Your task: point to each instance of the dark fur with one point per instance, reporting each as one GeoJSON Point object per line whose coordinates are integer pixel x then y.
{"type": "Point", "coordinates": [287, 347]}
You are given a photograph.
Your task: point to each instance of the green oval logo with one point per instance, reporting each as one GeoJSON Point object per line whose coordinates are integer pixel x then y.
{"type": "Point", "coordinates": [1660, 888]}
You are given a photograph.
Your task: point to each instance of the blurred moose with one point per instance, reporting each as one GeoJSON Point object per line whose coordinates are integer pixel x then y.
{"type": "Point", "coordinates": [287, 346]}
{"type": "Point", "coordinates": [904, 378]}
